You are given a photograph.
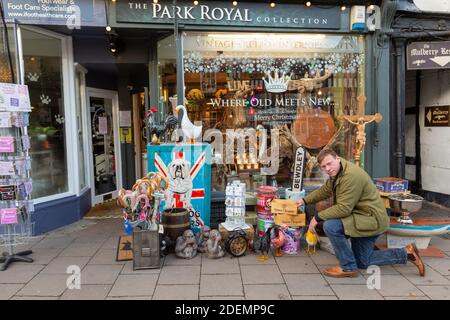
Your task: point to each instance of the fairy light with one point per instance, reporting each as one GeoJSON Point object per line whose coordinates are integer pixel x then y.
{"type": "Point", "coordinates": [272, 4]}
{"type": "Point", "coordinates": [195, 3]}
{"type": "Point", "coordinates": [308, 3]}
{"type": "Point", "coordinates": [371, 7]}
{"type": "Point", "coordinates": [235, 3]}
{"type": "Point", "coordinates": [108, 28]}
{"type": "Point", "coordinates": [343, 8]}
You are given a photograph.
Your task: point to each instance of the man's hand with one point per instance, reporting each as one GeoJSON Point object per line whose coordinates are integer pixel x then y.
{"type": "Point", "coordinates": [300, 202]}
{"type": "Point", "coordinates": [312, 225]}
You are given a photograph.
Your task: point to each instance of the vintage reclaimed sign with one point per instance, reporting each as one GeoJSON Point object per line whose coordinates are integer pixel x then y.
{"type": "Point", "coordinates": [71, 13]}
{"type": "Point", "coordinates": [297, 181]}
{"type": "Point", "coordinates": [428, 55]}
{"type": "Point", "coordinates": [224, 13]}
{"type": "Point", "coordinates": [437, 116]}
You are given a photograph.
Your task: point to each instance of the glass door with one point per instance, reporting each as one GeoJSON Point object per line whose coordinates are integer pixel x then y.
{"type": "Point", "coordinates": [104, 142]}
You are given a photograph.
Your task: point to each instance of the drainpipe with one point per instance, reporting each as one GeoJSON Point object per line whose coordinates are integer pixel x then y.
{"type": "Point", "coordinates": [400, 100]}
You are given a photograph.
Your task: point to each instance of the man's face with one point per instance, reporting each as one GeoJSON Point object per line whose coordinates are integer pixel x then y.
{"type": "Point", "coordinates": [331, 165]}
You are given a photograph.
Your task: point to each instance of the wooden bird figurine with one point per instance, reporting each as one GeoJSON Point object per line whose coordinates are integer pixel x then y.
{"type": "Point", "coordinates": [190, 130]}
{"type": "Point", "coordinates": [262, 244]}
{"type": "Point", "coordinates": [279, 239]}
{"type": "Point", "coordinates": [311, 239]}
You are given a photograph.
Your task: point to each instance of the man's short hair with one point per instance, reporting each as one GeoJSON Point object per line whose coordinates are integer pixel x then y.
{"type": "Point", "coordinates": [325, 152]}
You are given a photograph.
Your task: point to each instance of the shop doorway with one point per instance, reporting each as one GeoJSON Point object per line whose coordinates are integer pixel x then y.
{"type": "Point", "coordinates": [105, 159]}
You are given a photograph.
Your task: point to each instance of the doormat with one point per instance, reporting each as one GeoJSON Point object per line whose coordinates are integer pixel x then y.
{"type": "Point", "coordinates": [125, 248]}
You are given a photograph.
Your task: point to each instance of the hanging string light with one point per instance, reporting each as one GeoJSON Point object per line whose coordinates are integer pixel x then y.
{"type": "Point", "coordinates": [196, 3]}
{"type": "Point", "coordinates": [235, 3]}
{"type": "Point", "coordinates": [272, 4]}
{"type": "Point", "coordinates": [343, 8]}
{"type": "Point", "coordinates": [308, 3]}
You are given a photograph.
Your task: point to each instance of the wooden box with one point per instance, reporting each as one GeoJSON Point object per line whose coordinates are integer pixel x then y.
{"type": "Point", "coordinates": [286, 212]}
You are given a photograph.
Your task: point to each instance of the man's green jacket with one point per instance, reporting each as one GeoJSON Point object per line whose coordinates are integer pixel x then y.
{"type": "Point", "coordinates": [356, 201]}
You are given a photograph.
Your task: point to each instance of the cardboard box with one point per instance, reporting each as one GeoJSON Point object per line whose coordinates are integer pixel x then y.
{"type": "Point", "coordinates": [391, 184]}
{"type": "Point", "coordinates": [286, 212]}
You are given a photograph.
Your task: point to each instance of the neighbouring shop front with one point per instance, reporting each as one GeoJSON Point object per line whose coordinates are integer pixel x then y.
{"type": "Point", "coordinates": [292, 69]}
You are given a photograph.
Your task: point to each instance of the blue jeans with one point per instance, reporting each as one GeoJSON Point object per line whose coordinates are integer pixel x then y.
{"type": "Point", "coordinates": [360, 254]}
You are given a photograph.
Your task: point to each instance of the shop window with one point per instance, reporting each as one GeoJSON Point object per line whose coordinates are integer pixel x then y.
{"type": "Point", "coordinates": [296, 83]}
{"type": "Point", "coordinates": [42, 57]}
{"type": "Point", "coordinates": [167, 77]}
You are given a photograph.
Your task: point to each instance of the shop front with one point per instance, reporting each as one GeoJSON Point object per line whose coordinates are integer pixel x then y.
{"type": "Point", "coordinates": [280, 77]}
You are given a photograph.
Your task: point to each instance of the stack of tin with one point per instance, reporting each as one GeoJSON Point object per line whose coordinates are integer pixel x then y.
{"type": "Point", "coordinates": [264, 215]}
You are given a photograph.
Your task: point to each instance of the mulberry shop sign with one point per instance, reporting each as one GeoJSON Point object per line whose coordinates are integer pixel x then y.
{"type": "Point", "coordinates": [224, 13]}
{"type": "Point", "coordinates": [428, 55]}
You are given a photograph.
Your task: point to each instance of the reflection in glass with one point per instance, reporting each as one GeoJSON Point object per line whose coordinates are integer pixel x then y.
{"type": "Point", "coordinates": [298, 83]}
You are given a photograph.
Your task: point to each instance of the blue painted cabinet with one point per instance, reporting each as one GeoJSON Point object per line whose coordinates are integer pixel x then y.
{"type": "Point", "coordinates": [187, 167]}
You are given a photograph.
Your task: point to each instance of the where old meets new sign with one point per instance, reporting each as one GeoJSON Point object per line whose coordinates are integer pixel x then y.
{"type": "Point", "coordinates": [428, 55]}
{"type": "Point", "coordinates": [224, 13]}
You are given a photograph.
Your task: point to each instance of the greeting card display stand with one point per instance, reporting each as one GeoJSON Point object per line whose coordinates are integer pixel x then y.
{"type": "Point", "coordinates": [16, 206]}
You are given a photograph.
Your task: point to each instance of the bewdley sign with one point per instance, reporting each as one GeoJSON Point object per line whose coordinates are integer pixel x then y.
{"type": "Point", "coordinates": [428, 55]}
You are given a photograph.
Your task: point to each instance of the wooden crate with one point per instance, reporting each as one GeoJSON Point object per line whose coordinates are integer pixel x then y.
{"type": "Point", "coordinates": [225, 233]}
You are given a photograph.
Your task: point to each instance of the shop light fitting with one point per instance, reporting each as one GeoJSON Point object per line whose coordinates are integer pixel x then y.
{"type": "Point", "coordinates": [235, 3]}
{"type": "Point", "coordinates": [113, 0]}
{"type": "Point", "coordinates": [308, 3]}
{"type": "Point", "coordinates": [273, 4]}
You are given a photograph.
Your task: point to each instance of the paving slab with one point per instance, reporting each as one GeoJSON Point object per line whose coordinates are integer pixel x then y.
{"type": "Point", "coordinates": [9, 290]}
{"type": "Point", "coordinates": [87, 292]}
{"type": "Point", "coordinates": [441, 265]}
{"type": "Point", "coordinates": [33, 298]}
{"type": "Point", "coordinates": [296, 265]}
{"type": "Point", "coordinates": [355, 292]}
{"type": "Point", "coordinates": [44, 255]}
{"type": "Point", "coordinates": [107, 257]}
{"type": "Point", "coordinates": [81, 250]}
{"type": "Point", "coordinates": [252, 258]}
{"type": "Point", "coordinates": [223, 265]}
{"type": "Point", "coordinates": [221, 285]}
{"type": "Point", "coordinates": [100, 274]}
{"type": "Point", "coordinates": [431, 277]}
{"type": "Point", "coordinates": [332, 280]}
{"type": "Point", "coordinates": [441, 243]}
{"type": "Point", "coordinates": [128, 269]}
{"type": "Point", "coordinates": [46, 285]}
{"type": "Point", "coordinates": [134, 285]}
{"type": "Point", "coordinates": [60, 264]}
{"type": "Point", "coordinates": [222, 298]}
{"type": "Point", "coordinates": [54, 242]}
{"type": "Point", "coordinates": [436, 292]}
{"type": "Point", "coordinates": [407, 298]}
{"type": "Point", "coordinates": [261, 274]}
{"type": "Point", "coordinates": [176, 292]}
{"type": "Point", "coordinates": [398, 285]}
{"type": "Point", "coordinates": [180, 275]}
{"type": "Point", "coordinates": [130, 298]}
{"type": "Point", "coordinates": [314, 298]}
{"type": "Point", "coordinates": [324, 258]}
{"type": "Point", "coordinates": [308, 285]}
{"type": "Point", "coordinates": [266, 292]}
{"type": "Point", "coordinates": [173, 260]}
{"type": "Point", "coordinates": [20, 272]}
{"type": "Point", "coordinates": [111, 243]}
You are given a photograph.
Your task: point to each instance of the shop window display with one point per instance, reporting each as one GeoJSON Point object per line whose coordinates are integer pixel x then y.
{"type": "Point", "coordinates": [43, 75]}
{"type": "Point", "coordinates": [297, 83]}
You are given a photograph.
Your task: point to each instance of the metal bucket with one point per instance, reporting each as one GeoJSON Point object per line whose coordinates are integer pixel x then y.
{"type": "Point", "coordinates": [265, 196]}
{"type": "Point", "coordinates": [175, 221]}
{"type": "Point", "coordinates": [264, 221]}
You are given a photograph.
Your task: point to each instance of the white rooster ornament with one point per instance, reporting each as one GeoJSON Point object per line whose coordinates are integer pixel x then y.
{"type": "Point", "coordinates": [190, 131]}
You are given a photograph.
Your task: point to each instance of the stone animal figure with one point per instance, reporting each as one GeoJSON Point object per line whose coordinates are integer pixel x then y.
{"type": "Point", "coordinates": [203, 237]}
{"type": "Point", "coordinates": [214, 248]}
{"type": "Point", "coordinates": [262, 243]}
{"type": "Point", "coordinates": [186, 246]}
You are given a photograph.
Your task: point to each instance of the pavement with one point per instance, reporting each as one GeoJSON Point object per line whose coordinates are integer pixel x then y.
{"type": "Point", "coordinates": [91, 245]}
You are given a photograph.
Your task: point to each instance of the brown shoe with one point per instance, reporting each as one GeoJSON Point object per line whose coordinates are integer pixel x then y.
{"type": "Point", "coordinates": [414, 257]}
{"type": "Point", "coordinates": [337, 272]}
